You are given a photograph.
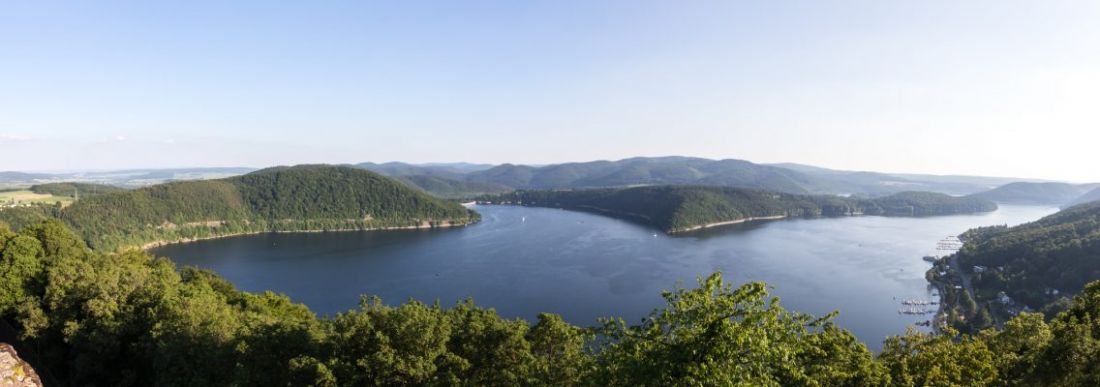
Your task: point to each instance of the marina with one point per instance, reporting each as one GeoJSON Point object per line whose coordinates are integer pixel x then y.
{"type": "Point", "coordinates": [949, 244]}
{"type": "Point", "coordinates": [917, 311]}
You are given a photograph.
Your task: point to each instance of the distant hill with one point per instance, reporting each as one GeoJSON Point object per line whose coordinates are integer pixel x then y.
{"type": "Point", "coordinates": [515, 176]}
{"type": "Point", "coordinates": [459, 167]}
{"type": "Point", "coordinates": [1035, 193]}
{"type": "Point", "coordinates": [308, 197]}
{"type": "Point", "coordinates": [740, 173]}
{"type": "Point", "coordinates": [11, 179]}
{"type": "Point", "coordinates": [450, 188]}
{"type": "Point", "coordinates": [686, 208]}
{"type": "Point", "coordinates": [654, 171]}
{"type": "Point", "coordinates": [1090, 196]}
{"type": "Point", "coordinates": [71, 189]}
{"type": "Point", "coordinates": [637, 171]}
{"type": "Point", "coordinates": [122, 178]}
{"type": "Point", "coordinates": [394, 169]}
{"type": "Point", "coordinates": [445, 180]}
{"type": "Point", "coordinates": [676, 170]}
{"type": "Point", "coordinates": [12, 176]}
{"type": "Point", "coordinates": [873, 183]}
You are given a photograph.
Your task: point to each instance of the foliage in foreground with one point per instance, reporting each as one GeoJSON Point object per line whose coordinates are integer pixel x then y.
{"type": "Point", "coordinates": [93, 318]}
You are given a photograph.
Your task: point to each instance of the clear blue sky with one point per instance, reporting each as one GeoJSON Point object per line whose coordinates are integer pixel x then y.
{"type": "Point", "coordinates": [976, 87]}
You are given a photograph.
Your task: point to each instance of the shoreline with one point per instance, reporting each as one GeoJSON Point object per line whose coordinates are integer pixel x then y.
{"type": "Point", "coordinates": [162, 243]}
{"type": "Point", "coordinates": [940, 317]}
{"type": "Point", "coordinates": [645, 220]}
{"type": "Point", "coordinates": [726, 223]}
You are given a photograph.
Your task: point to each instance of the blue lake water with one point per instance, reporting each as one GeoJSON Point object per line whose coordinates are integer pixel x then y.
{"type": "Point", "coordinates": [522, 261]}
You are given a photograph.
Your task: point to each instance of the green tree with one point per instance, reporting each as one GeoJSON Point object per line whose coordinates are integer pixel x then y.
{"type": "Point", "coordinates": [391, 346]}
{"type": "Point", "coordinates": [920, 359]}
{"type": "Point", "coordinates": [1073, 355]}
{"type": "Point", "coordinates": [56, 239]}
{"type": "Point", "coordinates": [719, 335]}
{"type": "Point", "coordinates": [21, 271]}
{"type": "Point", "coordinates": [561, 352]}
{"type": "Point", "coordinates": [195, 334]}
{"type": "Point", "coordinates": [492, 351]}
{"type": "Point", "coordinates": [1018, 347]}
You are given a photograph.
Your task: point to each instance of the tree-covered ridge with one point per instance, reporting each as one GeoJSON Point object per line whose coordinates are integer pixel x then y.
{"type": "Point", "coordinates": [310, 197]}
{"type": "Point", "coordinates": [684, 208]}
{"type": "Point", "coordinates": [924, 204]}
{"type": "Point", "coordinates": [1090, 196]}
{"type": "Point", "coordinates": [450, 188]}
{"type": "Point", "coordinates": [329, 192]}
{"type": "Point", "coordinates": [72, 189]}
{"type": "Point", "coordinates": [1038, 265]}
{"type": "Point", "coordinates": [87, 317]}
{"type": "Point", "coordinates": [1035, 193]}
{"type": "Point", "coordinates": [675, 170]}
{"type": "Point", "coordinates": [654, 171]}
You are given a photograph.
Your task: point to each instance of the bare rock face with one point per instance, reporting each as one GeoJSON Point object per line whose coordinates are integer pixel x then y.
{"type": "Point", "coordinates": [14, 371]}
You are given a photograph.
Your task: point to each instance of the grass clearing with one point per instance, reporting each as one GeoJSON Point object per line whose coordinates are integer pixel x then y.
{"type": "Point", "coordinates": [14, 198]}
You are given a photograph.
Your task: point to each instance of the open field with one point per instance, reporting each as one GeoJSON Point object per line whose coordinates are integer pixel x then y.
{"type": "Point", "coordinates": [9, 198]}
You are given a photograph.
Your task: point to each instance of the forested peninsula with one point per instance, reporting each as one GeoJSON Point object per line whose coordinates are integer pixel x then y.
{"type": "Point", "coordinates": [676, 209]}
{"type": "Point", "coordinates": [280, 199]}
{"type": "Point", "coordinates": [1036, 266]}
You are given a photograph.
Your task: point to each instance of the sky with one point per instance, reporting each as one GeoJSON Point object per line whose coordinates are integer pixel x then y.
{"type": "Point", "coordinates": [996, 88]}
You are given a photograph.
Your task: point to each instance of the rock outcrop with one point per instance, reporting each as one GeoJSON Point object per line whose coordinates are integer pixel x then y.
{"type": "Point", "coordinates": [14, 371]}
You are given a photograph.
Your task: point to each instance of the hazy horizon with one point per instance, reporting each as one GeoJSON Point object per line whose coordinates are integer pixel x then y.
{"type": "Point", "coordinates": [439, 162]}
{"type": "Point", "coordinates": [429, 163]}
{"type": "Point", "coordinates": [983, 88]}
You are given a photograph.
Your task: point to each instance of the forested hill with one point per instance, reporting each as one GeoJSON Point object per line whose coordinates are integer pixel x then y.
{"type": "Point", "coordinates": [74, 189]}
{"type": "Point", "coordinates": [676, 170]}
{"type": "Point", "coordinates": [1090, 196]}
{"type": "Point", "coordinates": [451, 188]}
{"type": "Point", "coordinates": [1028, 262]}
{"type": "Point", "coordinates": [1035, 193]}
{"type": "Point", "coordinates": [656, 171]}
{"type": "Point", "coordinates": [685, 208]}
{"type": "Point", "coordinates": [310, 197]}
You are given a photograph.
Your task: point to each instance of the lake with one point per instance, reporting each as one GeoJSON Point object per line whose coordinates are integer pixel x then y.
{"type": "Point", "coordinates": [522, 261]}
